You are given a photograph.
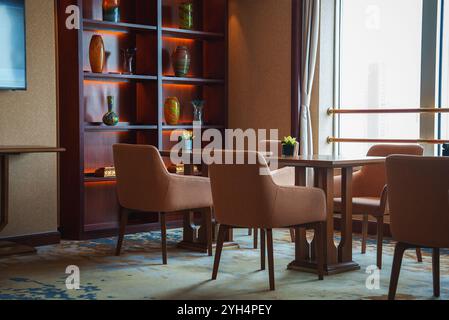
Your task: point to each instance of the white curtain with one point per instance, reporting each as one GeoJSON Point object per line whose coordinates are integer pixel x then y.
{"type": "Point", "coordinates": [310, 37]}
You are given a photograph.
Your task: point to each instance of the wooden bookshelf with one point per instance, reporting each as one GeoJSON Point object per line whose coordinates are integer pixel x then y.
{"type": "Point", "coordinates": [89, 206]}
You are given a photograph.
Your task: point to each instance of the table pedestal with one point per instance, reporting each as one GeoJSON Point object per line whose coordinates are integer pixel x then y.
{"type": "Point", "coordinates": [337, 259]}
{"type": "Point", "coordinates": [195, 237]}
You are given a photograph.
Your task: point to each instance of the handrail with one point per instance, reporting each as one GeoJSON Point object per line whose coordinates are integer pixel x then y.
{"type": "Point", "coordinates": [332, 111]}
{"type": "Point", "coordinates": [420, 141]}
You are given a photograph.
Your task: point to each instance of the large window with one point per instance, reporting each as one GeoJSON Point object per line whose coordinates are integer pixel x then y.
{"type": "Point", "coordinates": [380, 67]}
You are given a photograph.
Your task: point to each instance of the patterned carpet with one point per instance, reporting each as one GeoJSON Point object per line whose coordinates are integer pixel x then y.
{"type": "Point", "coordinates": [139, 274]}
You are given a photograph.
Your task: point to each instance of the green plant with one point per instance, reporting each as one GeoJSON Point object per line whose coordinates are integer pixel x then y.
{"type": "Point", "coordinates": [289, 141]}
{"type": "Point", "coordinates": [186, 135]}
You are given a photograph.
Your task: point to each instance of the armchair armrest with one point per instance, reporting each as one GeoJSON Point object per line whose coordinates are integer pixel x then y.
{"type": "Point", "coordinates": [298, 205]}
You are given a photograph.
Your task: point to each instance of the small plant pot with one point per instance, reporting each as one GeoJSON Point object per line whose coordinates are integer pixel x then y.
{"type": "Point", "coordinates": [288, 150]}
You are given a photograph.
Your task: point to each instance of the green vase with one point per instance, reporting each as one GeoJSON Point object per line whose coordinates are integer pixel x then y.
{"type": "Point", "coordinates": [110, 118]}
{"type": "Point", "coordinates": [181, 61]}
{"type": "Point", "coordinates": [186, 15]}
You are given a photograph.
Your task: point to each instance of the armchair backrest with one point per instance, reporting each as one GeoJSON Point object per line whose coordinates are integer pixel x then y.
{"type": "Point", "coordinates": [142, 178]}
{"type": "Point", "coordinates": [241, 195]}
{"type": "Point", "coordinates": [372, 179]}
{"type": "Point", "coordinates": [418, 195]}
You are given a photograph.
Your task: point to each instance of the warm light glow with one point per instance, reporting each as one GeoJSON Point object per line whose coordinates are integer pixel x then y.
{"type": "Point", "coordinates": [110, 33]}
{"type": "Point", "coordinates": [179, 86]}
{"type": "Point", "coordinates": [178, 40]}
{"type": "Point", "coordinates": [103, 82]}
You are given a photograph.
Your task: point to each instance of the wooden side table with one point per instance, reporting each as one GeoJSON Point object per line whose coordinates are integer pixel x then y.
{"type": "Point", "coordinates": [11, 248]}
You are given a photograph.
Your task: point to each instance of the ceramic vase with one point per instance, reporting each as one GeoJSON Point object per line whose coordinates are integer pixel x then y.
{"type": "Point", "coordinates": [181, 61]}
{"type": "Point", "coordinates": [172, 111]}
{"type": "Point", "coordinates": [110, 118]}
{"type": "Point", "coordinates": [111, 10]}
{"type": "Point", "coordinates": [186, 15]}
{"type": "Point", "coordinates": [97, 54]}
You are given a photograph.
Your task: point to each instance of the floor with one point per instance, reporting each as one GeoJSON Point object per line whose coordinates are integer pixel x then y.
{"type": "Point", "coordinates": [138, 273]}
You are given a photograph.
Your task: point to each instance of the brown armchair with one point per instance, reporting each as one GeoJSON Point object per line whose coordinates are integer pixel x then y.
{"type": "Point", "coordinates": [244, 198]}
{"type": "Point", "coordinates": [283, 176]}
{"type": "Point", "coordinates": [419, 208]}
{"type": "Point", "coordinates": [369, 197]}
{"type": "Point", "coordinates": [145, 185]}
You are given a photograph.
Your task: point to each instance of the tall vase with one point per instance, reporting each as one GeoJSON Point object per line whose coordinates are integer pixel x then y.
{"type": "Point", "coordinates": [186, 15]}
{"type": "Point", "coordinates": [181, 61]}
{"type": "Point", "coordinates": [110, 118]}
{"type": "Point", "coordinates": [111, 10]}
{"type": "Point", "coordinates": [172, 111]}
{"type": "Point", "coordinates": [97, 54]}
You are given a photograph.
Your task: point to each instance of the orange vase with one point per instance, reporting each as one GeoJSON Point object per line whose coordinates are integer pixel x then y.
{"type": "Point", "coordinates": [172, 111]}
{"type": "Point", "coordinates": [97, 54]}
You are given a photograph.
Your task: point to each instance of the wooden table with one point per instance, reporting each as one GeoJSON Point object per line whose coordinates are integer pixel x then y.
{"type": "Point", "coordinates": [338, 259]}
{"type": "Point", "coordinates": [193, 240]}
{"type": "Point", "coordinates": [10, 248]}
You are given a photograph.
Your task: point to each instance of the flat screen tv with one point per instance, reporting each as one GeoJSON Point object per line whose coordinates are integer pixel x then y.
{"type": "Point", "coordinates": [12, 45]}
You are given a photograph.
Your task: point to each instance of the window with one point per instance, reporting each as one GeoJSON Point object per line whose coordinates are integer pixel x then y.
{"type": "Point", "coordinates": [380, 67]}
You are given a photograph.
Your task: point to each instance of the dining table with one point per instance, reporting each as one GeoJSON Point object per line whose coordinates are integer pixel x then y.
{"type": "Point", "coordinates": [338, 258]}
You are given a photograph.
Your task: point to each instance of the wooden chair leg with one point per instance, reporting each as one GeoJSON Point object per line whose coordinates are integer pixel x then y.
{"type": "Point", "coordinates": [164, 238]}
{"type": "Point", "coordinates": [396, 269]}
{"type": "Point", "coordinates": [209, 230]}
{"type": "Point", "coordinates": [270, 258]}
{"type": "Point", "coordinates": [121, 236]}
{"type": "Point", "coordinates": [221, 237]}
{"type": "Point", "coordinates": [418, 255]}
{"type": "Point", "coordinates": [365, 224]}
{"type": "Point", "coordinates": [380, 238]}
{"type": "Point", "coordinates": [292, 235]}
{"type": "Point", "coordinates": [436, 271]}
{"type": "Point", "coordinates": [320, 243]}
{"type": "Point", "coordinates": [262, 249]}
{"type": "Point", "coordinates": [250, 231]}
{"type": "Point", "coordinates": [256, 235]}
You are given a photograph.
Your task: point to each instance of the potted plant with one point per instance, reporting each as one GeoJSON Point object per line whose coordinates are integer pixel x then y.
{"type": "Point", "coordinates": [288, 146]}
{"type": "Point", "coordinates": [187, 138]}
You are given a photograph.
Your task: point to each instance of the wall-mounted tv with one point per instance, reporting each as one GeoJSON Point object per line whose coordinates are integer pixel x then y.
{"type": "Point", "coordinates": [12, 45]}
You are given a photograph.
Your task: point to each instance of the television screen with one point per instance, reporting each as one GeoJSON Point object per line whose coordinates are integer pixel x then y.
{"type": "Point", "coordinates": [12, 45]}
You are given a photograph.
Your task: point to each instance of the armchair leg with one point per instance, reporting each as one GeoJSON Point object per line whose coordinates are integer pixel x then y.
{"type": "Point", "coordinates": [319, 236]}
{"type": "Point", "coordinates": [396, 269]}
{"type": "Point", "coordinates": [221, 237]}
{"type": "Point", "coordinates": [262, 249]}
{"type": "Point", "coordinates": [364, 232]}
{"type": "Point", "coordinates": [418, 255]}
{"type": "Point", "coordinates": [436, 271]}
{"type": "Point", "coordinates": [256, 235]}
{"type": "Point", "coordinates": [164, 238]}
{"type": "Point", "coordinates": [380, 238]}
{"type": "Point", "coordinates": [121, 236]}
{"type": "Point", "coordinates": [292, 235]}
{"type": "Point", "coordinates": [270, 258]}
{"type": "Point", "coordinates": [209, 230]}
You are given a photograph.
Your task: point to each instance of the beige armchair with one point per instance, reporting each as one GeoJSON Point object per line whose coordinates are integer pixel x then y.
{"type": "Point", "coordinates": [419, 208]}
{"type": "Point", "coordinates": [283, 176]}
{"type": "Point", "coordinates": [244, 198]}
{"type": "Point", "coordinates": [369, 193]}
{"type": "Point", "coordinates": [145, 185]}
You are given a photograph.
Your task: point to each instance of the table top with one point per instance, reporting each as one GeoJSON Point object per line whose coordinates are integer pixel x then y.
{"type": "Point", "coordinates": [328, 161]}
{"type": "Point", "coordinates": [5, 150]}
